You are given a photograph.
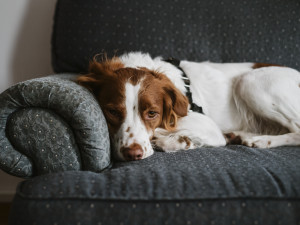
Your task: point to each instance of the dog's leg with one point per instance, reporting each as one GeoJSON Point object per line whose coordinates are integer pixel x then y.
{"type": "Point", "coordinates": [262, 141]}
{"type": "Point", "coordinates": [269, 94]}
{"type": "Point", "coordinates": [271, 141]}
{"type": "Point", "coordinates": [266, 97]}
{"type": "Point", "coordinates": [194, 130]}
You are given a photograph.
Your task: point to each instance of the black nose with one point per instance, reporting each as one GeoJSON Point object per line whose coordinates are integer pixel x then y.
{"type": "Point", "coordinates": [133, 152]}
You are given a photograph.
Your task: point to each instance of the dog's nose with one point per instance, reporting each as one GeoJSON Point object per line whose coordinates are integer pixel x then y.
{"type": "Point", "coordinates": [133, 152]}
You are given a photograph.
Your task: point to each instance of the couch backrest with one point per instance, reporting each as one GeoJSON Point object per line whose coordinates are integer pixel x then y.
{"type": "Point", "coordinates": [215, 30]}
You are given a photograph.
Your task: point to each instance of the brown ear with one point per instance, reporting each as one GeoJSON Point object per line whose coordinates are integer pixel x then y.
{"type": "Point", "coordinates": [98, 72]}
{"type": "Point", "coordinates": [175, 106]}
{"type": "Point", "coordinates": [106, 66]}
{"type": "Point", "coordinates": [180, 101]}
{"type": "Point", "coordinates": [91, 81]}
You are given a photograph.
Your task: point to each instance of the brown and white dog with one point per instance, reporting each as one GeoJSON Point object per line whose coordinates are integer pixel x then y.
{"type": "Point", "coordinates": [144, 102]}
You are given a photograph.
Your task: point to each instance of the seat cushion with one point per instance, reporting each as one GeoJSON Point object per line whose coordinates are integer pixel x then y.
{"type": "Point", "coordinates": [226, 185]}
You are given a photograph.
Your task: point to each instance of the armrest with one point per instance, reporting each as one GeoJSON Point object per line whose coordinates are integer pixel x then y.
{"type": "Point", "coordinates": [51, 124]}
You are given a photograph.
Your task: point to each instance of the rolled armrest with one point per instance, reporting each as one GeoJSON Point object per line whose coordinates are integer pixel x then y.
{"type": "Point", "coordinates": [51, 124]}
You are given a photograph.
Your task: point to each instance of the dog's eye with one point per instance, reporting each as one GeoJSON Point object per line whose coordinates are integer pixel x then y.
{"type": "Point", "coordinates": [114, 113]}
{"type": "Point", "coordinates": [152, 114]}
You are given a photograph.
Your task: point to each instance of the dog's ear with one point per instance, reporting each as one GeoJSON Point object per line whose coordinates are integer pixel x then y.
{"type": "Point", "coordinates": [98, 73]}
{"type": "Point", "coordinates": [179, 101]}
{"type": "Point", "coordinates": [107, 66]}
{"type": "Point", "coordinates": [175, 106]}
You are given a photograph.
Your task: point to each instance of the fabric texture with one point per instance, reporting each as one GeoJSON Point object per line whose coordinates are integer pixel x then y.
{"type": "Point", "coordinates": [221, 31]}
{"type": "Point", "coordinates": [45, 138]}
{"type": "Point", "coordinates": [226, 185]}
{"type": "Point", "coordinates": [51, 124]}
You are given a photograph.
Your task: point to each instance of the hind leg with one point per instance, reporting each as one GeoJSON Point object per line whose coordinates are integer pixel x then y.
{"type": "Point", "coordinates": [271, 141]}
{"type": "Point", "coordinates": [262, 141]}
{"type": "Point", "coordinates": [270, 95]}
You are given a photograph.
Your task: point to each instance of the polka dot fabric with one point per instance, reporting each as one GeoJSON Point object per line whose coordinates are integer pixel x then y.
{"type": "Point", "coordinates": [226, 185]}
{"type": "Point", "coordinates": [51, 124]}
{"type": "Point", "coordinates": [45, 138]}
{"type": "Point", "coordinates": [215, 30]}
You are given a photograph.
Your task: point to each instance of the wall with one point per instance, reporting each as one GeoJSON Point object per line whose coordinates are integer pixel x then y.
{"type": "Point", "coordinates": [25, 38]}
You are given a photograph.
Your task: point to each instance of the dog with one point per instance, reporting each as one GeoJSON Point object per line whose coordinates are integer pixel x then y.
{"type": "Point", "coordinates": [173, 105]}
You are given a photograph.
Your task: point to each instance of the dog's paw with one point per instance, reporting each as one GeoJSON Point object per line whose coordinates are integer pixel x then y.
{"type": "Point", "coordinates": [185, 142]}
{"type": "Point", "coordinates": [171, 143]}
{"type": "Point", "coordinates": [257, 142]}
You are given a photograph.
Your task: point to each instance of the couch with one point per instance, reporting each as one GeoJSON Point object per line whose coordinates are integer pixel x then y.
{"type": "Point", "coordinates": [53, 133]}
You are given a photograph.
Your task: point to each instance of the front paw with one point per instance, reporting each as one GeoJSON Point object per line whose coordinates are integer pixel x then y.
{"type": "Point", "coordinates": [171, 143]}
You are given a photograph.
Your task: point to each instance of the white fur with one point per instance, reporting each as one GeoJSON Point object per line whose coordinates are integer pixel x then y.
{"type": "Point", "coordinates": [198, 128]}
{"type": "Point", "coordinates": [138, 59]}
{"type": "Point", "coordinates": [133, 129]}
{"type": "Point", "coordinates": [252, 103]}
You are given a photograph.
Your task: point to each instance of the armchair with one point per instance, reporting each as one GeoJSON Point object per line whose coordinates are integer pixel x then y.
{"type": "Point", "coordinates": [53, 132]}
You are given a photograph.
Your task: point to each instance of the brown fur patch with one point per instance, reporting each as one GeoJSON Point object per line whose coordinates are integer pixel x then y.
{"type": "Point", "coordinates": [159, 94]}
{"type": "Point", "coordinates": [186, 140]}
{"type": "Point", "coordinates": [232, 139]}
{"type": "Point", "coordinates": [153, 138]}
{"type": "Point", "coordinates": [260, 65]}
{"type": "Point", "coordinates": [106, 80]}
{"type": "Point", "coordinates": [102, 82]}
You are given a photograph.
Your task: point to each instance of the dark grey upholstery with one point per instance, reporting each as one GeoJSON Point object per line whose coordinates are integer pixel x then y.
{"type": "Point", "coordinates": [215, 30]}
{"type": "Point", "coordinates": [51, 124]}
{"type": "Point", "coordinates": [229, 185]}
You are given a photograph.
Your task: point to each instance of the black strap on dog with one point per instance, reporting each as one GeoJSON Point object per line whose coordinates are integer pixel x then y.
{"type": "Point", "coordinates": [194, 107]}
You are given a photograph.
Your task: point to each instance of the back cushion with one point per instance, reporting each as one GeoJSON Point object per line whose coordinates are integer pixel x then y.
{"type": "Point", "coordinates": [215, 30]}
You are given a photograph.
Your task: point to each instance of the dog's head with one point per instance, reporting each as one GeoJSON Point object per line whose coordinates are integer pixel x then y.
{"type": "Point", "coordinates": [134, 103]}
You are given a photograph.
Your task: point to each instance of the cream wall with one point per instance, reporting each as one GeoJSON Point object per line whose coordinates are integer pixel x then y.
{"type": "Point", "coordinates": [25, 37]}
